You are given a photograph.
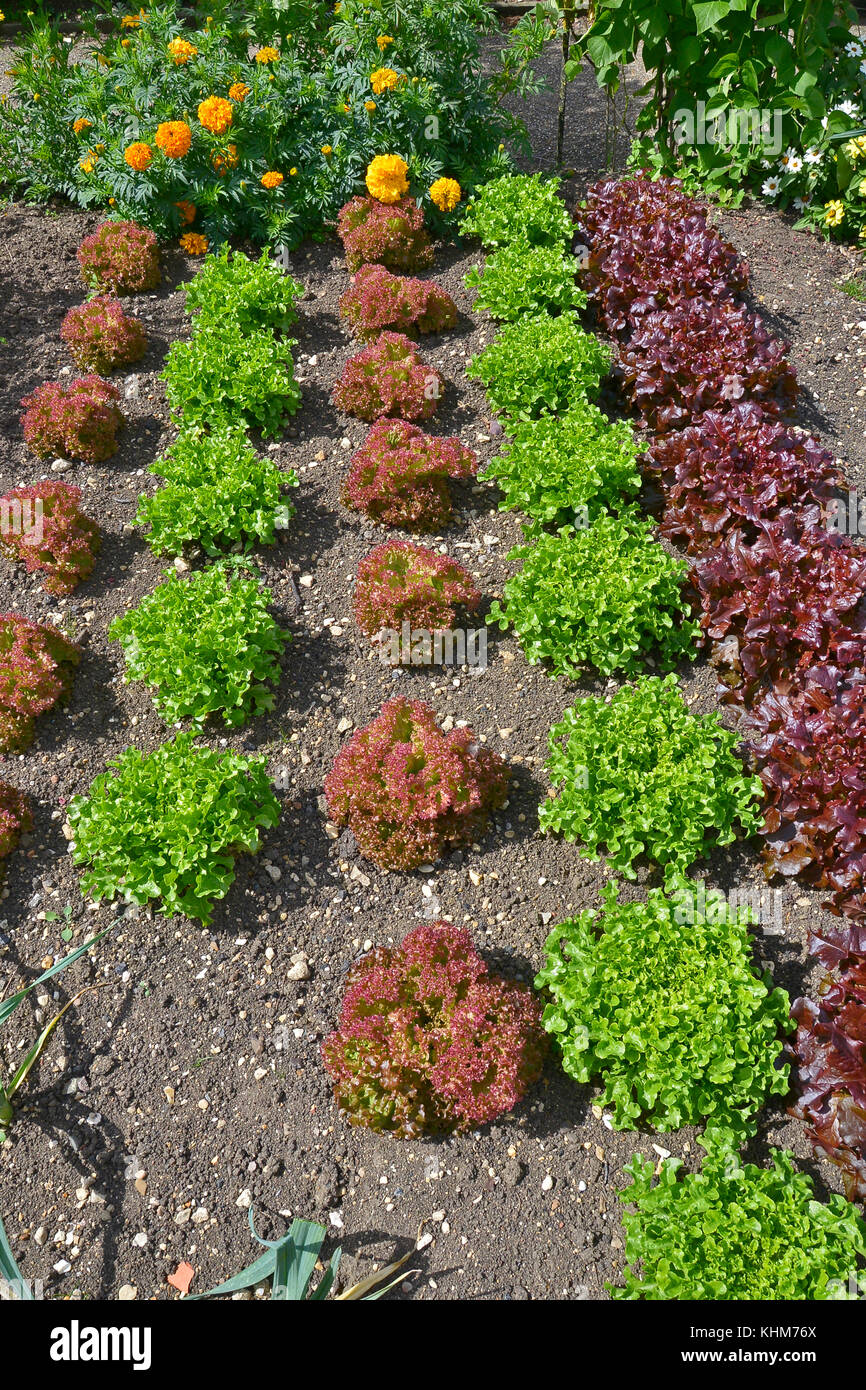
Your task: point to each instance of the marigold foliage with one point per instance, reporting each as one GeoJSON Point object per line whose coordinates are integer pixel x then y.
{"type": "Point", "coordinates": [662, 1003]}
{"type": "Point", "coordinates": [399, 476]}
{"type": "Point", "coordinates": [219, 493]}
{"type": "Point", "coordinates": [389, 378]}
{"type": "Point", "coordinates": [641, 775]}
{"type": "Point", "coordinates": [100, 336]}
{"type": "Point", "coordinates": [539, 365]}
{"type": "Point", "coordinates": [402, 582]}
{"type": "Point", "coordinates": [393, 236]}
{"type": "Point", "coordinates": [736, 1231]}
{"type": "Point", "coordinates": [206, 643]}
{"type": "Point", "coordinates": [166, 827]}
{"type": "Point", "coordinates": [61, 543]}
{"type": "Point", "coordinates": [378, 300]}
{"type": "Point", "coordinates": [429, 1042]}
{"type": "Point", "coordinates": [78, 421]}
{"type": "Point", "coordinates": [410, 793]}
{"type": "Point", "coordinates": [36, 668]}
{"type": "Point", "coordinates": [607, 596]}
{"type": "Point", "coordinates": [558, 469]}
{"type": "Point", "coordinates": [121, 257]}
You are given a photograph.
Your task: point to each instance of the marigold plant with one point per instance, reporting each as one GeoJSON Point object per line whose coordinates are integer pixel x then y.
{"type": "Point", "coordinates": [59, 541]}
{"type": "Point", "coordinates": [429, 1042]}
{"type": "Point", "coordinates": [410, 793]}
{"type": "Point", "coordinates": [138, 156]}
{"type": "Point", "coordinates": [399, 476]}
{"type": "Point", "coordinates": [387, 178]}
{"type": "Point", "coordinates": [393, 236]}
{"type": "Point", "coordinates": [174, 138]}
{"type": "Point", "coordinates": [78, 421]}
{"type": "Point", "coordinates": [215, 114]}
{"type": "Point", "coordinates": [385, 80]}
{"type": "Point", "coordinates": [378, 300]}
{"type": "Point", "coordinates": [389, 378]}
{"type": "Point", "coordinates": [121, 257]}
{"type": "Point", "coordinates": [36, 667]}
{"type": "Point", "coordinates": [446, 194]}
{"type": "Point", "coordinates": [100, 336]}
{"type": "Point", "coordinates": [402, 582]}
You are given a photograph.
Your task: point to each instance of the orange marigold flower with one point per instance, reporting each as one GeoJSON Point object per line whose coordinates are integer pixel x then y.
{"type": "Point", "coordinates": [187, 211]}
{"type": "Point", "coordinates": [194, 243]}
{"type": "Point", "coordinates": [138, 156]}
{"type": "Point", "coordinates": [226, 159]}
{"type": "Point", "coordinates": [446, 194]}
{"type": "Point", "coordinates": [239, 91]}
{"type": "Point", "coordinates": [272, 179]}
{"type": "Point", "coordinates": [181, 51]}
{"type": "Point", "coordinates": [267, 55]}
{"type": "Point", "coordinates": [215, 114]}
{"type": "Point", "coordinates": [81, 124]}
{"type": "Point", "coordinates": [384, 80]}
{"type": "Point", "coordinates": [173, 138]}
{"type": "Point", "coordinates": [124, 43]}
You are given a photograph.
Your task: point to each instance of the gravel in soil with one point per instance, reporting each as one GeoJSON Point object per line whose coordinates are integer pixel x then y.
{"type": "Point", "coordinates": [189, 1087]}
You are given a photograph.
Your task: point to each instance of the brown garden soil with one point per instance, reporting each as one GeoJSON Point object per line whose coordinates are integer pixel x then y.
{"type": "Point", "coordinates": [191, 1085]}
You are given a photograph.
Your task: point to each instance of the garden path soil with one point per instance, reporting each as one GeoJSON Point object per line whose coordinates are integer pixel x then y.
{"type": "Point", "coordinates": [190, 1085]}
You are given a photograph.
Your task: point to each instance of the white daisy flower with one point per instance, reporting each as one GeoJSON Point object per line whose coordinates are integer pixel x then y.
{"type": "Point", "coordinates": [813, 156]}
{"type": "Point", "coordinates": [795, 164]}
{"type": "Point", "coordinates": [770, 187]}
{"type": "Point", "coordinates": [785, 161]}
{"type": "Point", "coordinates": [802, 203]}
{"type": "Point", "coordinates": [849, 108]}
{"type": "Point", "coordinates": [853, 49]}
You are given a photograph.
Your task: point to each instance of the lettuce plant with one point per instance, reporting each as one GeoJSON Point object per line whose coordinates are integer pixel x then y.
{"type": "Point", "coordinates": [392, 235]}
{"type": "Point", "coordinates": [60, 541]}
{"type": "Point", "coordinates": [606, 596]}
{"type": "Point", "coordinates": [540, 364]}
{"type": "Point", "coordinates": [557, 468]}
{"type": "Point", "coordinates": [736, 1231]}
{"type": "Point", "coordinates": [219, 493]}
{"type": "Point", "coordinates": [36, 668]}
{"type": "Point", "coordinates": [15, 818]}
{"type": "Point", "coordinates": [703, 355]}
{"type": "Point", "coordinates": [229, 377]}
{"type": "Point", "coordinates": [518, 208]}
{"type": "Point", "coordinates": [429, 1042]}
{"type": "Point", "coordinates": [783, 604]}
{"type": "Point", "coordinates": [241, 295]}
{"type": "Point", "coordinates": [399, 476]}
{"type": "Point", "coordinates": [389, 378]}
{"type": "Point", "coordinates": [206, 643]}
{"type": "Point", "coordinates": [79, 421]}
{"type": "Point", "coordinates": [410, 793]}
{"type": "Point", "coordinates": [650, 248]}
{"type": "Point", "coordinates": [640, 774]}
{"type": "Point", "coordinates": [521, 279]}
{"type": "Point", "coordinates": [121, 257]}
{"type": "Point", "coordinates": [401, 582]}
{"type": "Point", "coordinates": [662, 1004]}
{"type": "Point", "coordinates": [830, 1057]}
{"type": "Point", "coordinates": [166, 827]}
{"type": "Point", "coordinates": [100, 336]}
{"type": "Point", "coordinates": [737, 467]}
{"type": "Point", "coordinates": [378, 300]}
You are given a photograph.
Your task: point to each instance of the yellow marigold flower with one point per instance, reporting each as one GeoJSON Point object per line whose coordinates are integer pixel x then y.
{"type": "Point", "coordinates": [386, 178]}
{"type": "Point", "coordinates": [130, 21]}
{"type": "Point", "coordinates": [194, 243]}
{"type": "Point", "coordinates": [327, 149]}
{"type": "Point", "coordinates": [81, 124]}
{"type": "Point", "coordinates": [834, 212]}
{"type": "Point", "coordinates": [124, 43]}
{"type": "Point", "coordinates": [138, 156]}
{"type": "Point", "coordinates": [292, 172]}
{"type": "Point", "coordinates": [173, 138]}
{"type": "Point", "coordinates": [446, 194]}
{"type": "Point", "coordinates": [384, 41]}
{"type": "Point", "coordinates": [267, 55]}
{"type": "Point", "coordinates": [35, 96]}
{"type": "Point", "coordinates": [88, 164]}
{"type": "Point", "coordinates": [111, 202]}
{"type": "Point", "coordinates": [181, 51]}
{"type": "Point", "coordinates": [222, 161]}
{"type": "Point", "coordinates": [346, 107]}
{"type": "Point", "coordinates": [239, 91]}
{"type": "Point", "coordinates": [370, 106]}
{"type": "Point", "coordinates": [215, 114]}
{"type": "Point", "coordinates": [187, 211]}
{"type": "Point", "coordinates": [384, 80]}
{"type": "Point", "coordinates": [271, 179]}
